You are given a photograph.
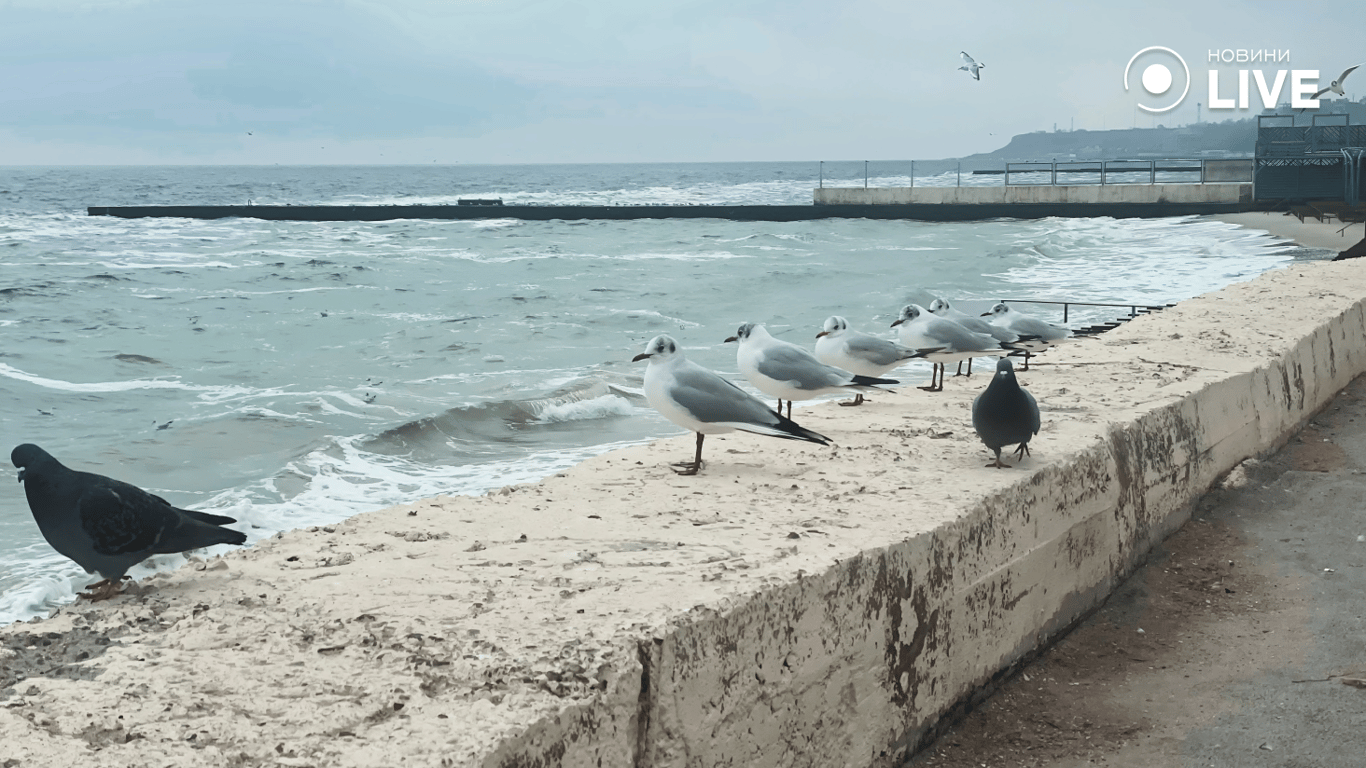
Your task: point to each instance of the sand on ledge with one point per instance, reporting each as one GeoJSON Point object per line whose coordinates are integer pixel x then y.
{"type": "Point", "coordinates": [429, 633]}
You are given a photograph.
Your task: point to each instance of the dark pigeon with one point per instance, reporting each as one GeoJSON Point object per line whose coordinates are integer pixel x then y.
{"type": "Point", "coordinates": [1005, 413]}
{"type": "Point", "coordinates": [107, 526]}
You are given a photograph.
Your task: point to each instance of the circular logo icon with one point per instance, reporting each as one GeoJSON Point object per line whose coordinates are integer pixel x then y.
{"type": "Point", "coordinates": [1157, 77]}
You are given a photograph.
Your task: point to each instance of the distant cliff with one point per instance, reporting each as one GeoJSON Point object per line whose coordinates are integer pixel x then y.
{"type": "Point", "coordinates": [1233, 137]}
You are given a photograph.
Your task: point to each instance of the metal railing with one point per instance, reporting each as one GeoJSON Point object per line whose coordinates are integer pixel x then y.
{"type": "Point", "coordinates": [1135, 309]}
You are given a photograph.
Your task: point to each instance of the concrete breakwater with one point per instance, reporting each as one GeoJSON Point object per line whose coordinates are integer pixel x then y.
{"type": "Point", "coordinates": [792, 605]}
{"type": "Point", "coordinates": [831, 202]}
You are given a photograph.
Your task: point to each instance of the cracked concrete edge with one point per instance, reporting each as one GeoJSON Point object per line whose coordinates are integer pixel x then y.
{"type": "Point", "coordinates": [859, 664]}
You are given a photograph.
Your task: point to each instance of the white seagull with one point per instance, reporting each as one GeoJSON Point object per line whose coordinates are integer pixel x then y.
{"type": "Point", "coordinates": [1336, 85]}
{"type": "Point", "coordinates": [697, 399]}
{"type": "Point", "coordinates": [942, 308]}
{"type": "Point", "coordinates": [858, 352]}
{"type": "Point", "coordinates": [972, 66]}
{"type": "Point", "coordinates": [1044, 334]}
{"type": "Point", "coordinates": [789, 372]}
{"type": "Point", "coordinates": [920, 329]}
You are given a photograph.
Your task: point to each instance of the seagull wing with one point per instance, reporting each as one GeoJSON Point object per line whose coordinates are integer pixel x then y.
{"type": "Point", "coordinates": [1345, 73]}
{"type": "Point", "coordinates": [1320, 93]}
{"type": "Point", "coordinates": [966, 58]}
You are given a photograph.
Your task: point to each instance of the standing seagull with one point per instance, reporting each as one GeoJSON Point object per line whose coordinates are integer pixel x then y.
{"type": "Point", "coordinates": [1040, 334]}
{"type": "Point", "coordinates": [922, 329]}
{"type": "Point", "coordinates": [971, 66]}
{"type": "Point", "coordinates": [942, 308]}
{"type": "Point", "coordinates": [860, 353]}
{"type": "Point", "coordinates": [1005, 413]}
{"type": "Point", "coordinates": [788, 372]}
{"type": "Point", "coordinates": [107, 526]}
{"type": "Point", "coordinates": [695, 398]}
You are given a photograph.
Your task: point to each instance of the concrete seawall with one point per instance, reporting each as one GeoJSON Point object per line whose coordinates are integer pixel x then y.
{"type": "Point", "coordinates": [1027, 194]}
{"type": "Point", "coordinates": [791, 606]}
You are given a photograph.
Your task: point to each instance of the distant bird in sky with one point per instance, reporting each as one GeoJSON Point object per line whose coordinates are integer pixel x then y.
{"type": "Point", "coordinates": [969, 65]}
{"type": "Point", "coordinates": [249, 133]}
{"type": "Point", "coordinates": [1335, 86]}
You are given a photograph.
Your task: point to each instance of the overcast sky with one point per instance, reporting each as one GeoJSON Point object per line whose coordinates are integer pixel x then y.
{"type": "Point", "coordinates": [531, 81]}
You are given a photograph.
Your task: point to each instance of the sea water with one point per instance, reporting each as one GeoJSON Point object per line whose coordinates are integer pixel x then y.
{"type": "Point", "coordinates": [294, 373]}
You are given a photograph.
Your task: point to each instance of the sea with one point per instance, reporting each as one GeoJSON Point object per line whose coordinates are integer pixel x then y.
{"type": "Point", "coordinates": [292, 374]}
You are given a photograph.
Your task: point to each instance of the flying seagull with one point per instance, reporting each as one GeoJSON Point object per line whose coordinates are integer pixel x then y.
{"type": "Point", "coordinates": [107, 526]}
{"type": "Point", "coordinates": [1335, 86]}
{"type": "Point", "coordinates": [1005, 413]}
{"type": "Point", "coordinates": [695, 398]}
{"type": "Point", "coordinates": [972, 66]}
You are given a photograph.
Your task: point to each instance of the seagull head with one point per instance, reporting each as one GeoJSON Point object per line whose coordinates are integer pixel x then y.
{"type": "Point", "coordinates": [908, 313]}
{"type": "Point", "coordinates": [662, 347]}
{"type": "Point", "coordinates": [745, 331]}
{"type": "Point", "coordinates": [939, 306]}
{"type": "Point", "coordinates": [833, 324]}
{"type": "Point", "coordinates": [996, 311]}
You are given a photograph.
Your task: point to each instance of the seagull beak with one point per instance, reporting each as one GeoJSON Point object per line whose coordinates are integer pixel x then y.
{"type": "Point", "coordinates": [732, 338]}
{"type": "Point", "coordinates": [822, 333]}
{"type": "Point", "coordinates": [641, 356]}
{"type": "Point", "coordinates": [985, 314]}
{"type": "Point", "coordinates": [896, 322]}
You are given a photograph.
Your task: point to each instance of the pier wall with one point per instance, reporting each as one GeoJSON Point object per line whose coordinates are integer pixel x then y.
{"type": "Point", "coordinates": [791, 606]}
{"type": "Point", "coordinates": [859, 663]}
{"type": "Point", "coordinates": [1082, 194]}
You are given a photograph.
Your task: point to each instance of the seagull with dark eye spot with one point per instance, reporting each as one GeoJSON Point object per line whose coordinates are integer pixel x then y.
{"type": "Point", "coordinates": [697, 399]}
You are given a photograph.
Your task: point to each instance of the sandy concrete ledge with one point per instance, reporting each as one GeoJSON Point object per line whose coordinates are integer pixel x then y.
{"type": "Point", "coordinates": [792, 606]}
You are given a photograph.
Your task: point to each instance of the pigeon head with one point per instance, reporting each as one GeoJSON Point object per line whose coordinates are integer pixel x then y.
{"type": "Point", "coordinates": [832, 324]}
{"type": "Point", "coordinates": [744, 332]}
{"type": "Point", "coordinates": [1005, 369]}
{"type": "Point", "coordinates": [908, 313]}
{"type": "Point", "coordinates": [660, 346]}
{"type": "Point", "coordinates": [29, 456]}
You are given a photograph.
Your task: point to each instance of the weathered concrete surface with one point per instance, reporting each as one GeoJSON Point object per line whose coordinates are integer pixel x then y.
{"type": "Point", "coordinates": [791, 606]}
{"type": "Point", "coordinates": [1090, 194]}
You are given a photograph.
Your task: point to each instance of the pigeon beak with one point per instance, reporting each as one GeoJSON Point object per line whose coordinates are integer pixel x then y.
{"type": "Point", "coordinates": [21, 473]}
{"type": "Point", "coordinates": [822, 333]}
{"type": "Point", "coordinates": [732, 338]}
{"type": "Point", "coordinates": [641, 356]}
{"type": "Point", "coordinates": [896, 322]}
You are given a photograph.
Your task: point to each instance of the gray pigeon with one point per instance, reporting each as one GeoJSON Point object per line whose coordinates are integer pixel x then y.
{"type": "Point", "coordinates": [1005, 413]}
{"type": "Point", "coordinates": [107, 526]}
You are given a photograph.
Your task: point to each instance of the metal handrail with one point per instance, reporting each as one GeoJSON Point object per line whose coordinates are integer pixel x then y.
{"type": "Point", "coordinates": [1067, 305]}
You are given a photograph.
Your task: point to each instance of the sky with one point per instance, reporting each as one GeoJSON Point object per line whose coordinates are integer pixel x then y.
{"type": "Point", "coordinates": [133, 82]}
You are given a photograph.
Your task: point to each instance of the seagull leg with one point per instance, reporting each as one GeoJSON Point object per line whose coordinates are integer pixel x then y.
{"type": "Point", "coordinates": [1025, 367]}
{"type": "Point", "coordinates": [937, 367]}
{"type": "Point", "coordinates": [858, 400]}
{"type": "Point", "coordinates": [684, 468]}
{"type": "Point", "coordinates": [960, 368]}
{"type": "Point", "coordinates": [789, 409]}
